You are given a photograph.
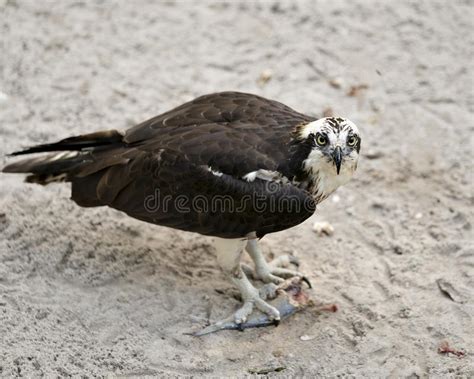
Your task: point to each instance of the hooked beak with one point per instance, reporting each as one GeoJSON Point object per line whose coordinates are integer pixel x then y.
{"type": "Point", "coordinates": [337, 158]}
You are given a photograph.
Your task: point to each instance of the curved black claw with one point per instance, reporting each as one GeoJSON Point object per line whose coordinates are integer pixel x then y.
{"type": "Point", "coordinates": [276, 322]}
{"type": "Point", "coordinates": [306, 280]}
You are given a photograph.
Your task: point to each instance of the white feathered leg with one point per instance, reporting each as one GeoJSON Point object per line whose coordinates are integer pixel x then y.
{"type": "Point", "coordinates": [229, 252]}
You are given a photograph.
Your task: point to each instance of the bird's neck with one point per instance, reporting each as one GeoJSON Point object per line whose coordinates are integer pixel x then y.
{"type": "Point", "coordinates": [323, 179]}
{"type": "Point", "coordinates": [323, 185]}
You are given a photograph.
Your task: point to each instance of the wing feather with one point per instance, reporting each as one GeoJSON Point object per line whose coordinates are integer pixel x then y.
{"type": "Point", "coordinates": [175, 192]}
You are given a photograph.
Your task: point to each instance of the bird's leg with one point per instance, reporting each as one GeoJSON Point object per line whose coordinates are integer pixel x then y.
{"type": "Point", "coordinates": [229, 252]}
{"type": "Point", "coordinates": [271, 272]}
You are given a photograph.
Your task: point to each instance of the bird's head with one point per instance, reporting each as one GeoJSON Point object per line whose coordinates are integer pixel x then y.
{"type": "Point", "coordinates": [335, 145]}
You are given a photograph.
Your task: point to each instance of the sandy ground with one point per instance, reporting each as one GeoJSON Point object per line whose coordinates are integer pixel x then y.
{"type": "Point", "coordinates": [90, 292]}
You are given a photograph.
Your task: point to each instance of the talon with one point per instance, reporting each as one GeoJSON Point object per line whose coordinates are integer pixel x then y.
{"type": "Point", "coordinates": [276, 322]}
{"type": "Point", "coordinates": [306, 280]}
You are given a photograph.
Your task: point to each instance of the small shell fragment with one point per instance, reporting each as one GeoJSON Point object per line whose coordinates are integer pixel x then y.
{"type": "Point", "coordinates": [305, 337]}
{"type": "Point", "coordinates": [265, 76]}
{"type": "Point", "coordinates": [336, 83]}
{"type": "Point", "coordinates": [322, 228]}
{"type": "Point", "coordinates": [3, 97]}
{"type": "Point", "coordinates": [448, 289]}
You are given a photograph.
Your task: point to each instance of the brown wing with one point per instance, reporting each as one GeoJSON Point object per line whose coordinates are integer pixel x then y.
{"type": "Point", "coordinates": [167, 189]}
{"type": "Point", "coordinates": [233, 132]}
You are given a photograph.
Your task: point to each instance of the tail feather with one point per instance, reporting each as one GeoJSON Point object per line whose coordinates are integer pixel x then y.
{"type": "Point", "coordinates": [73, 154]}
{"type": "Point", "coordinates": [44, 164]}
{"type": "Point", "coordinates": [84, 141]}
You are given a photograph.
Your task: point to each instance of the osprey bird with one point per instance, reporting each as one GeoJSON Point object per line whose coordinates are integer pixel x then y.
{"type": "Point", "coordinates": [230, 165]}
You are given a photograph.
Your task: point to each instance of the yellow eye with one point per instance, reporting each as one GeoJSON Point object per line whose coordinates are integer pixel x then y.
{"type": "Point", "coordinates": [321, 140]}
{"type": "Point", "coordinates": [352, 141]}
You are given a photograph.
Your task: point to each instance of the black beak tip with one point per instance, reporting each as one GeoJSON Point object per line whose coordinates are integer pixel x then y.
{"type": "Point", "coordinates": [337, 157]}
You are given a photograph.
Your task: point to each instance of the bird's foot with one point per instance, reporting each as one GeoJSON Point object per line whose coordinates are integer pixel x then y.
{"type": "Point", "coordinates": [254, 298]}
{"type": "Point", "coordinates": [291, 298]}
{"type": "Point", "coordinates": [284, 261]}
{"type": "Point", "coordinates": [276, 271]}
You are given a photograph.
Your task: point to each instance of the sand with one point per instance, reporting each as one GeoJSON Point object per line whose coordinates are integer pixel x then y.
{"type": "Point", "coordinates": [91, 292]}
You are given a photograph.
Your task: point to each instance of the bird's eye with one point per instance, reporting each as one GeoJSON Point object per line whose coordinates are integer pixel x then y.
{"type": "Point", "coordinates": [321, 140]}
{"type": "Point", "coordinates": [352, 141]}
